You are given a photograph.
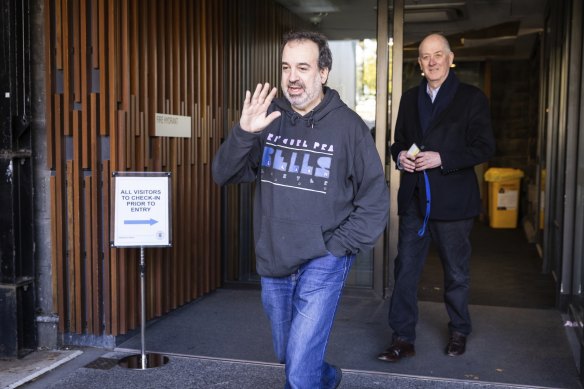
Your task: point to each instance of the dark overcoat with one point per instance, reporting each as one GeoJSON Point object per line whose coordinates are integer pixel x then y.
{"type": "Point", "coordinates": [463, 136]}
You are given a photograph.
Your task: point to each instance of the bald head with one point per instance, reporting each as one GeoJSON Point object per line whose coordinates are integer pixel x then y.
{"type": "Point", "coordinates": [437, 38]}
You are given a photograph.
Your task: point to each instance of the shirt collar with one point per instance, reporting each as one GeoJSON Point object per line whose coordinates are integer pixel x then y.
{"type": "Point", "coordinates": [432, 92]}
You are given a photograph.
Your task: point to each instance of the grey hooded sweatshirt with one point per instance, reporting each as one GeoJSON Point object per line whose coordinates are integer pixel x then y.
{"type": "Point", "coordinates": [320, 186]}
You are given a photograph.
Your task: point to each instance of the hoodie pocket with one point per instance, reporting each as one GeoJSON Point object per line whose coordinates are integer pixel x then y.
{"type": "Point", "coordinates": [287, 244]}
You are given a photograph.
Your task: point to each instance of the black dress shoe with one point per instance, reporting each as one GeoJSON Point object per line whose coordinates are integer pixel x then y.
{"type": "Point", "coordinates": [456, 344]}
{"type": "Point", "coordinates": [399, 349]}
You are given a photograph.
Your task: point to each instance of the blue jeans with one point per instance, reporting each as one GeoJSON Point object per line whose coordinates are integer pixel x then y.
{"type": "Point", "coordinates": [453, 241]}
{"type": "Point", "coordinates": [301, 308]}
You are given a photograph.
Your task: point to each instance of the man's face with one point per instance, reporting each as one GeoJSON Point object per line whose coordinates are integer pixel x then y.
{"type": "Point", "coordinates": [435, 60]}
{"type": "Point", "coordinates": [302, 80]}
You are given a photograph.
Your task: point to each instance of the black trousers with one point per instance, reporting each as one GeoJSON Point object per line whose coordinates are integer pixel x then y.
{"type": "Point", "coordinates": [452, 239]}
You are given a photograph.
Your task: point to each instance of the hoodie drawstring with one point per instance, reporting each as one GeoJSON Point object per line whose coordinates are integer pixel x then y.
{"type": "Point", "coordinates": [311, 119]}
{"type": "Point", "coordinates": [309, 123]}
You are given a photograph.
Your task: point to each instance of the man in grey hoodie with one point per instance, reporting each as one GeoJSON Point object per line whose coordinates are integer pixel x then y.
{"type": "Point", "coordinates": [321, 198]}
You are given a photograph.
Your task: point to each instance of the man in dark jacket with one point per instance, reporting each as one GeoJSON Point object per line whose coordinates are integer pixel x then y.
{"type": "Point", "coordinates": [442, 131]}
{"type": "Point", "coordinates": [321, 198]}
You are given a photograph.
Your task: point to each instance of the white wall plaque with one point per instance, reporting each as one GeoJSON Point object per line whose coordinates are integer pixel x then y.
{"type": "Point", "coordinates": [172, 125]}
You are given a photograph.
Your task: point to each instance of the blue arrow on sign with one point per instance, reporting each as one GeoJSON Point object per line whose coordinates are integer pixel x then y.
{"type": "Point", "coordinates": [151, 221]}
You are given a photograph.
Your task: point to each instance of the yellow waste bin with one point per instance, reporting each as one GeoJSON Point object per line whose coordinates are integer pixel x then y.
{"type": "Point", "coordinates": [504, 186]}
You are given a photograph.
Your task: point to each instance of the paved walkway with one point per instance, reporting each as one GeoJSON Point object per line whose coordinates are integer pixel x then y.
{"type": "Point", "coordinates": [222, 341]}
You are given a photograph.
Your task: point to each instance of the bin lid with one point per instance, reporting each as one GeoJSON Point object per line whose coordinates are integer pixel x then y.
{"type": "Point", "coordinates": [496, 174]}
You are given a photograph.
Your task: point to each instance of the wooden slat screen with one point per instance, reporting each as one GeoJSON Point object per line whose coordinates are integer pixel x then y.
{"type": "Point", "coordinates": [110, 66]}
{"type": "Point", "coordinates": [252, 57]}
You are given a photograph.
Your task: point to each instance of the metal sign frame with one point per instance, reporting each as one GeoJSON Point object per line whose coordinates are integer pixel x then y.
{"type": "Point", "coordinates": [142, 214]}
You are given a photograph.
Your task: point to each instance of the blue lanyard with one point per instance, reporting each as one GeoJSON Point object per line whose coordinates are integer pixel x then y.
{"type": "Point", "coordinates": [422, 230]}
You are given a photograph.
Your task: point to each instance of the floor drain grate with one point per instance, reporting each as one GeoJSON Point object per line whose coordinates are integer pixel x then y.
{"type": "Point", "coordinates": [102, 363]}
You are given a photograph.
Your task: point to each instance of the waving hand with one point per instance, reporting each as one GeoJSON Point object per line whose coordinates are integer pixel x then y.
{"type": "Point", "coordinates": [253, 114]}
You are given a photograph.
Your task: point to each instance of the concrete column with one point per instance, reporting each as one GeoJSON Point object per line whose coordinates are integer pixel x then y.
{"type": "Point", "coordinates": [46, 317]}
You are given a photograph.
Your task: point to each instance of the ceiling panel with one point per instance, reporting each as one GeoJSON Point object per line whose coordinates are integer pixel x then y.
{"type": "Point", "coordinates": [501, 28]}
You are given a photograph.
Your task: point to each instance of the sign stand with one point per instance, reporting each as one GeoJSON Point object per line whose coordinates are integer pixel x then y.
{"type": "Point", "coordinates": [144, 360]}
{"type": "Point", "coordinates": [142, 218]}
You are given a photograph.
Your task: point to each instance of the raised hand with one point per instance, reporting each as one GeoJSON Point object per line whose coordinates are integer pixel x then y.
{"type": "Point", "coordinates": [253, 115]}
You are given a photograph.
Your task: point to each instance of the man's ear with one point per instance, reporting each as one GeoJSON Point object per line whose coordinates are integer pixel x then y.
{"type": "Point", "coordinates": [324, 75]}
{"type": "Point", "coordinates": [451, 55]}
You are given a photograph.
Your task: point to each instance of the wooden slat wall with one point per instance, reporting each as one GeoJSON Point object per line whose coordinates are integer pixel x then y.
{"type": "Point", "coordinates": [253, 56]}
{"type": "Point", "coordinates": [110, 66]}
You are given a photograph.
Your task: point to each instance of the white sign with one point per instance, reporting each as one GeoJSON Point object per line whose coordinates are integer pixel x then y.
{"type": "Point", "coordinates": [141, 209]}
{"type": "Point", "coordinates": [172, 125]}
{"type": "Point", "coordinates": [507, 199]}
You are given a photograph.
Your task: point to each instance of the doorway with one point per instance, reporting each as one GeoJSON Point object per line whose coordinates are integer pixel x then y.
{"type": "Point", "coordinates": [353, 32]}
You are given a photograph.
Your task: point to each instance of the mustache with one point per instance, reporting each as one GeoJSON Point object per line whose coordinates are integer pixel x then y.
{"type": "Point", "coordinates": [296, 83]}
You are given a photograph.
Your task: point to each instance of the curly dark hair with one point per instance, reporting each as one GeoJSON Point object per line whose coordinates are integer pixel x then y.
{"type": "Point", "coordinates": [325, 58]}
